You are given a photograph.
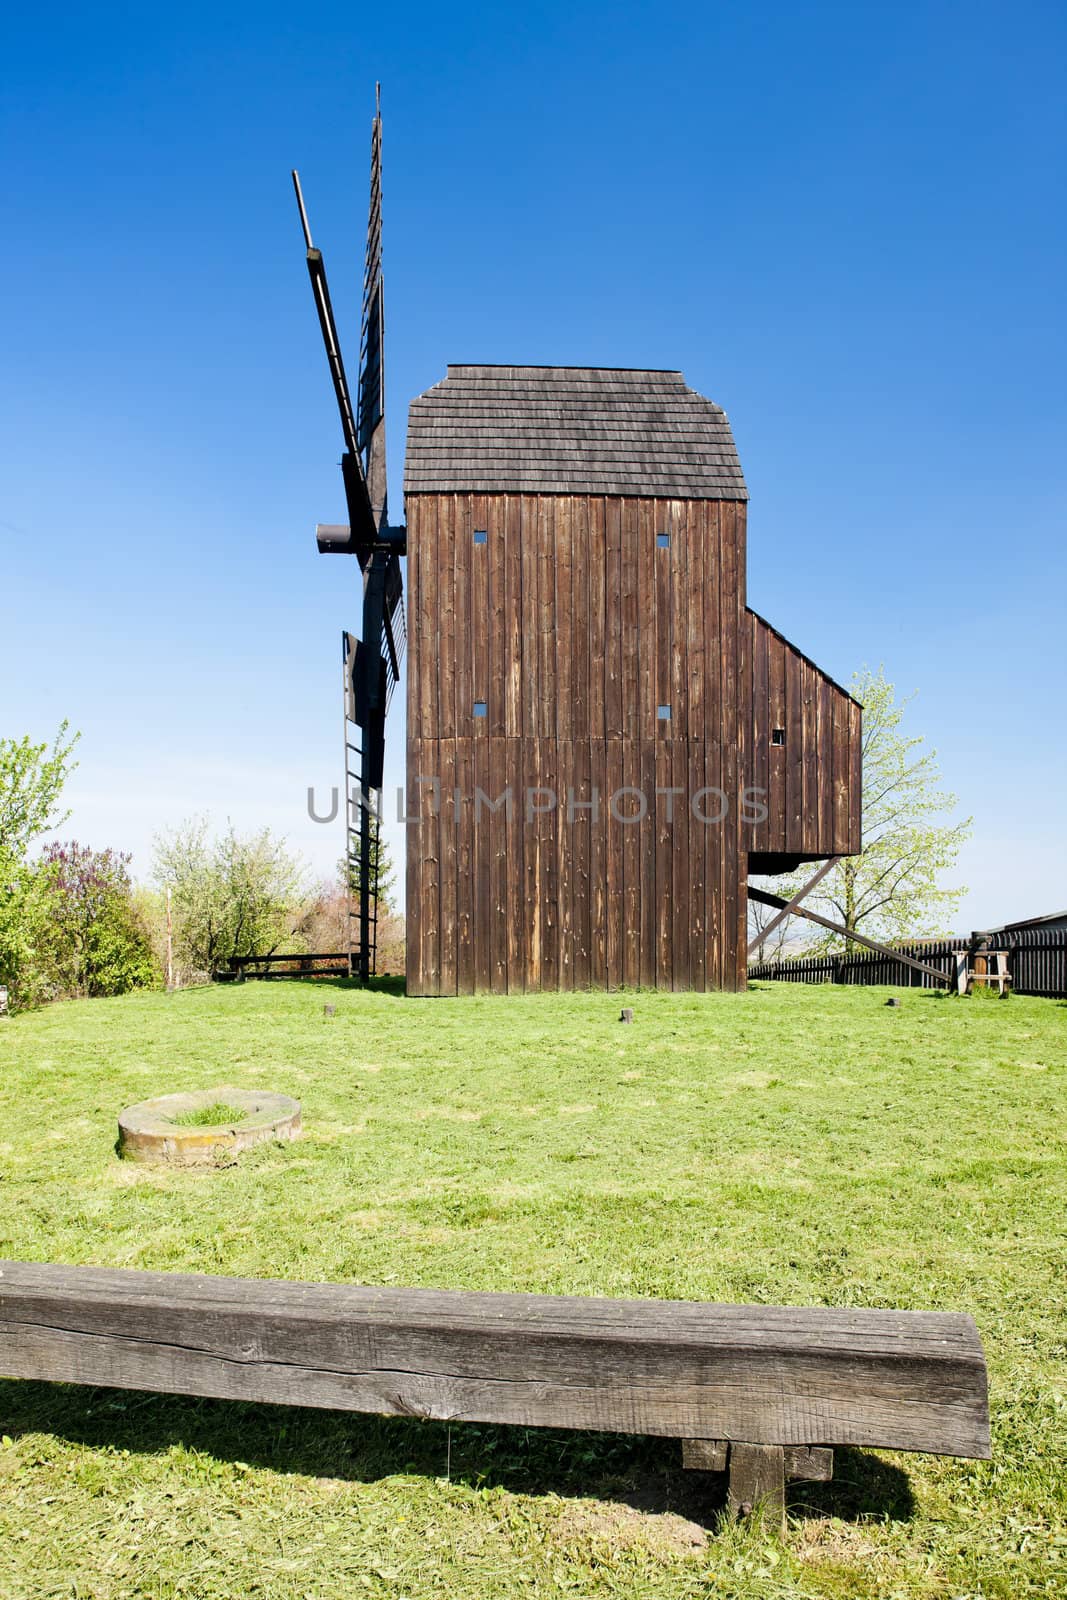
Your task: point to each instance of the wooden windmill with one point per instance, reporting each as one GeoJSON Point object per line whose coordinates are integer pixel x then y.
{"type": "Point", "coordinates": [580, 641]}
{"type": "Point", "coordinates": [603, 739]}
{"type": "Point", "coordinates": [371, 662]}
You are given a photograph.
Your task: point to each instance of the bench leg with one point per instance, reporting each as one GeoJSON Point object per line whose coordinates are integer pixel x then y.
{"type": "Point", "coordinates": [757, 1481]}
{"type": "Point", "coordinates": [758, 1472]}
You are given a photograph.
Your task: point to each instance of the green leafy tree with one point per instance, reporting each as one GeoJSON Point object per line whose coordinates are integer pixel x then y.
{"type": "Point", "coordinates": [31, 784]}
{"type": "Point", "coordinates": [896, 889]}
{"type": "Point", "coordinates": [232, 896]}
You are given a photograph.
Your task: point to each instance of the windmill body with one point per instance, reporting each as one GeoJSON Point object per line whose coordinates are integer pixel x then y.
{"type": "Point", "coordinates": [619, 741]}
{"type": "Point", "coordinates": [603, 740]}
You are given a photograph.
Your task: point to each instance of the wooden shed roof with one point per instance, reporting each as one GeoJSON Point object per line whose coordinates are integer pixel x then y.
{"type": "Point", "coordinates": [570, 430]}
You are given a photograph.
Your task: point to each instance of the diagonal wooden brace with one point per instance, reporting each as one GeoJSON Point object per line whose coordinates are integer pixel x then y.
{"type": "Point", "coordinates": [801, 894]}
{"type": "Point", "coordinates": [767, 899]}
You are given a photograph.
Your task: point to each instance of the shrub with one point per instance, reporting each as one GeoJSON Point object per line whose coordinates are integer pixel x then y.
{"type": "Point", "coordinates": [95, 942]}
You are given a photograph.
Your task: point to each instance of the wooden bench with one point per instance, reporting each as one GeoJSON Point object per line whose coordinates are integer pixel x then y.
{"type": "Point", "coordinates": [761, 1391]}
{"type": "Point", "coordinates": [316, 964]}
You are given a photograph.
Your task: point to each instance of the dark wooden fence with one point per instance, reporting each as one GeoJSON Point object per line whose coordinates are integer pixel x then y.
{"type": "Point", "coordinates": [1037, 961]}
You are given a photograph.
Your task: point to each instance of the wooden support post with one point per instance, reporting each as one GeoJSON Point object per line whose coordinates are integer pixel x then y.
{"type": "Point", "coordinates": [758, 1472]}
{"type": "Point", "coordinates": [757, 1481]}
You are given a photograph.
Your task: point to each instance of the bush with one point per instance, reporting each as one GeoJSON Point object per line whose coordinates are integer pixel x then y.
{"type": "Point", "coordinates": [24, 909]}
{"type": "Point", "coordinates": [95, 942]}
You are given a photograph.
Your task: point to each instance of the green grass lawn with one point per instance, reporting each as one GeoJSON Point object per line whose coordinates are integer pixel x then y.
{"type": "Point", "coordinates": [792, 1145]}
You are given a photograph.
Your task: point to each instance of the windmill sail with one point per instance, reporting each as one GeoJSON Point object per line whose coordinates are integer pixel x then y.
{"type": "Point", "coordinates": [371, 421]}
{"type": "Point", "coordinates": [371, 663]}
{"type": "Point", "coordinates": [371, 425]}
{"type": "Point", "coordinates": [362, 523]}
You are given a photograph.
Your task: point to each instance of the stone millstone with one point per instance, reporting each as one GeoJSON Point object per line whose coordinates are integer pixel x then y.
{"type": "Point", "coordinates": [149, 1131]}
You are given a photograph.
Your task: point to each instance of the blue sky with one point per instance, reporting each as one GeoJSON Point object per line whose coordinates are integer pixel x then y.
{"type": "Point", "coordinates": [846, 224]}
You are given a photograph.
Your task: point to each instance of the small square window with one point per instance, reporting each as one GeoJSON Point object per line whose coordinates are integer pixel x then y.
{"type": "Point", "coordinates": [481, 536]}
{"type": "Point", "coordinates": [778, 736]}
{"type": "Point", "coordinates": [663, 713]}
{"type": "Point", "coordinates": [663, 540]}
{"type": "Point", "coordinates": [480, 708]}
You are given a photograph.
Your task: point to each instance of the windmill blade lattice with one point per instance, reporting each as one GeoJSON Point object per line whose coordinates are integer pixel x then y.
{"type": "Point", "coordinates": [372, 662]}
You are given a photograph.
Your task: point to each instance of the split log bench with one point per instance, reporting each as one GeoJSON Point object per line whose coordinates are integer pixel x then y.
{"type": "Point", "coordinates": [764, 1392]}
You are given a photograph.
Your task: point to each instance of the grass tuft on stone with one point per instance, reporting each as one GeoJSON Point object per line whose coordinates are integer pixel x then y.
{"type": "Point", "coordinates": [216, 1115]}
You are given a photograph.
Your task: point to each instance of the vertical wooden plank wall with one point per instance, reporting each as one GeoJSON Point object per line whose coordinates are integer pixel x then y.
{"type": "Point", "coordinates": [573, 626]}
{"type": "Point", "coordinates": [812, 781]}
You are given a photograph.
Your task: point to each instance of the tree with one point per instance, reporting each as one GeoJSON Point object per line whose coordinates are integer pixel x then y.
{"type": "Point", "coordinates": [894, 890]}
{"type": "Point", "coordinates": [772, 945]}
{"type": "Point", "coordinates": [232, 896]}
{"type": "Point", "coordinates": [383, 872]}
{"type": "Point", "coordinates": [96, 943]}
{"type": "Point", "coordinates": [31, 782]}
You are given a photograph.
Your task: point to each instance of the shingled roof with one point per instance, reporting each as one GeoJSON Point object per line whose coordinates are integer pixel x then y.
{"type": "Point", "coordinates": [570, 430]}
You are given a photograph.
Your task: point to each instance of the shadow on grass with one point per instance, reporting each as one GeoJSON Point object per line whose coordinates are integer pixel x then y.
{"type": "Point", "coordinates": [863, 1487]}
{"type": "Point", "coordinates": [396, 987]}
{"type": "Point", "coordinates": [641, 1472]}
